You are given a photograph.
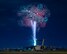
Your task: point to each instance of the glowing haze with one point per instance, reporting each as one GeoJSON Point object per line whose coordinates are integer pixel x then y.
{"type": "Point", "coordinates": [34, 16]}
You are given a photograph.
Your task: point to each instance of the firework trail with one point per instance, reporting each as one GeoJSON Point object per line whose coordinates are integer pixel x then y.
{"type": "Point", "coordinates": [33, 24]}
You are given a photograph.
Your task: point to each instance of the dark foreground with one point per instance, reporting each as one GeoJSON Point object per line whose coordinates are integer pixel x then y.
{"type": "Point", "coordinates": [48, 52]}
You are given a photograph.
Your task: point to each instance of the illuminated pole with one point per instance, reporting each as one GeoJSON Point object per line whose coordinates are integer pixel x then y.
{"type": "Point", "coordinates": [33, 24]}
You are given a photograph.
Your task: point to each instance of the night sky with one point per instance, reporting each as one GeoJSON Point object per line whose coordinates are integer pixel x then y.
{"type": "Point", "coordinates": [14, 36]}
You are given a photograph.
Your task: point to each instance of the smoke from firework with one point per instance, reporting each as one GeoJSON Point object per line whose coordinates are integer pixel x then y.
{"type": "Point", "coordinates": [38, 13]}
